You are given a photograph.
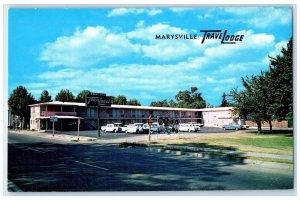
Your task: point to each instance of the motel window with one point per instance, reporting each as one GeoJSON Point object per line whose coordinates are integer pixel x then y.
{"type": "Point", "coordinates": [54, 108]}
{"type": "Point", "coordinates": [33, 109]}
{"type": "Point", "coordinates": [43, 108]}
{"type": "Point", "coordinates": [68, 108]}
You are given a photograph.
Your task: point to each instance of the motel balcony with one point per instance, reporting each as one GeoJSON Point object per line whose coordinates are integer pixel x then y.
{"type": "Point", "coordinates": [50, 113]}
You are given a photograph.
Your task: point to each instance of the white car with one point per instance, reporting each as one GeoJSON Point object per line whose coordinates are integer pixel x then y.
{"type": "Point", "coordinates": [111, 128]}
{"type": "Point", "coordinates": [131, 128]}
{"type": "Point", "coordinates": [188, 127]}
{"type": "Point", "coordinates": [136, 128]}
{"type": "Point", "coordinates": [197, 125]}
{"type": "Point", "coordinates": [155, 127]}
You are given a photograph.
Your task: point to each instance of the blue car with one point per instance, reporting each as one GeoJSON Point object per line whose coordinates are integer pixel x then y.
{"type": "Point", "coordinates": [232, 126]}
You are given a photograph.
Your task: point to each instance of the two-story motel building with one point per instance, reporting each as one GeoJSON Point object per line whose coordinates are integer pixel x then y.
{"type": "Point", "coordinates": [70, 113]}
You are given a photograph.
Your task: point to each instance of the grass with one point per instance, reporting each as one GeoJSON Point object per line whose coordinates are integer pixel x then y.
{"type": "Point", "coordinates": [239, 141]}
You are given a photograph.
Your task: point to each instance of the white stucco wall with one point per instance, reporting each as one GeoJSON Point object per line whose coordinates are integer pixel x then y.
{"type": "Point", "coordinates": [217, 118]}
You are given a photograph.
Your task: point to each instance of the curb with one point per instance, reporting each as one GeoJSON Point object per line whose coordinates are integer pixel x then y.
{"type": "Point", "coordinates": [206, 154]}
{"type": "Point", "coordinates": [60, 137]}
{"type": "Point", "coordinates": [240, 160]}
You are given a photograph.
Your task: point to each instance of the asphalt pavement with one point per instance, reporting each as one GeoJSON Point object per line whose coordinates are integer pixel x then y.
{"type": "Point", "coordinates": [36, 164]}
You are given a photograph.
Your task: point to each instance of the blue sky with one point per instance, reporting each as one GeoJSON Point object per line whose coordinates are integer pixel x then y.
{"type": "Point", "coordinates": [114, 51]}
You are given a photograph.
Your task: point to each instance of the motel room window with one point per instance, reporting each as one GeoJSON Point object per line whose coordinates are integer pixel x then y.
{"type": "Point", "coordinates": [33, 109]}
{"type": "Point", "coordinates": [43, 108]}
{"type": "Point", "coordinates": [54, 108]}
{"type": "Point", "coordinates": [68, 108]}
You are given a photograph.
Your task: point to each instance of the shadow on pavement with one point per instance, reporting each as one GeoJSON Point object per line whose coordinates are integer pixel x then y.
{"type": "Point", "coordinates": [44, 167]}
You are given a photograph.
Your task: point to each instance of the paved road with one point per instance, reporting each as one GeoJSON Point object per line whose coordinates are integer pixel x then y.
{"type": "Point", "coordinates": [35, 164]}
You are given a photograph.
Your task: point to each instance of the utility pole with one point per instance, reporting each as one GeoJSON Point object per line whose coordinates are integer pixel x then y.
{"type": "Point", "coordinates": [98, 120]}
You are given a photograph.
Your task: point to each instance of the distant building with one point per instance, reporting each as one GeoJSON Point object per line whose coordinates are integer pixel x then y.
{"type": "Point", "coordinates": [69, 112]}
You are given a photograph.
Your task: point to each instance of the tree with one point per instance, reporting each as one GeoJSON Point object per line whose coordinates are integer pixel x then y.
{"type": "Point", "coordinates": [18, 103]}
{"type": "Point", "coordinates": [190, 99]}
{"type": "Point", "coordinates": [184, 99]}
{"type": "Point", "coordinates": [281, 75]}
{"type": "Point", "coordinates": [269, 95]}
{"type": "Point", "coordinates": [45, 97]}
{"type": "Point", "coordinates": [172, 104]}
{"type": "Point", "coordinates": [82, 95]}
{"type": "Point", "coordinates": [65, 95]}
{"type": "Point", "coordinates": [256, 101]}
{"type": "Point", "coordinates": [163, 103]}
{"type": "Point", "coordinates": [224, 102]}
{"type": "Point", "coordinates": [197, 99]}
{"type": "Point", "coordinates": [120, 100]}
{"type": "Point", "coordinates": [133, 102]}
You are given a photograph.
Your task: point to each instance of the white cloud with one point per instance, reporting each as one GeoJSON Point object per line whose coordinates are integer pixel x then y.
{"type": "Point", "coordinates": [197, 64]}
{"type": "Point", "coordinates": [276, 51]}
{"type": "Point", "coordinates": [160, 49]}
{"type": "Point", "coordinates": [135, 11]}
{"type": "Point", "coordinates": [153, 12]}
{"type": "Point", "coordinates": [87, 47]}
{"type": "Point", "coordinates": [259, 17]}
{"type": "Point", "coordinates": [250, 41]}
{"type": "Point", "coordinates": [95, 45]}
{"type": "Point", "coordinates": [205, 16]}
{"type": "Point", "coordinates": [210, 79]}
{"type": "Point", "coordinates": [141, 81]}
{"type": "Point", "coordinates": [37, 85]}
{"type": "Point", "coordinates": [181, 10]}
{"type": "Point", "coordinates": [278, 48]}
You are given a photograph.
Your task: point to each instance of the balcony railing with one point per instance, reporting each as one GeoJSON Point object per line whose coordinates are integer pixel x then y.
{"type": "Point", "coordinates": [50, 113]}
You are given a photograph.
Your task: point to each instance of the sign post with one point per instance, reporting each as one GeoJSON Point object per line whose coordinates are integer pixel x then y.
{"type": "Point", "coordinates": [78, 123]}
{"type": "Point", "coordinates": [98, 115]}
{"type": "Point", "coordinates": [150, 123]}
{"type": "Point", "coordinates": [97, 100]}
{"type": "Point", "coordinates": [53, 119]}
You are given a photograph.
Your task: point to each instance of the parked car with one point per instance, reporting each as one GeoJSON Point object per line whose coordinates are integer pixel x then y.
{"type": "Point", "coordinates": [155, 127]}
{"type": "Point", "coordinates": [112, 128]}
{"type": "Point", "coordinates": [243, 123]}
{"type": "Point", "coordinates": [232, 126]}
{"type": "Point", "coordinates": [135, 128]}
{"type": "Point", "coordinates": [188, 127]}
{"type": "Point", "coordinates": [198, 125]}
{"type": "Point", "coordinates": [146, 128]}
{"type": "Point", "coordinates": [124, 128]}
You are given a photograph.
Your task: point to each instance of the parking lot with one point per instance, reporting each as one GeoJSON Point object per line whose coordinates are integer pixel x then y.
{"type": "Point", "coordinates": [124, 137]}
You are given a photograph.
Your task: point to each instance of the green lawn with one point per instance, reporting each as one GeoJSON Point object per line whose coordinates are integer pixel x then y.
{"type": "Point", "coordinates": [240, 141]}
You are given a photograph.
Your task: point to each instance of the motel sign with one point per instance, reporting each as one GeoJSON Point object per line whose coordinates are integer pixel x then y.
{"type": "Point", "coordinates": [95, 100]}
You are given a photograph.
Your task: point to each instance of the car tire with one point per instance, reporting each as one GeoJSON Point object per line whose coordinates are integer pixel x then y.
{"type": "Point", "coordinates": [115, 131]}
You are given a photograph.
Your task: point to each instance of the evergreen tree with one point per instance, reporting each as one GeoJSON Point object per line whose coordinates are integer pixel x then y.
{"type": "Point", "coordinates": [82, 95]}
{"type": "Point", "coordinates": [224, 102]}
{"type": "Point", "coordinates": [45, 97]}
{"type": "Point", "coordinates": [133, 102]}
{"type": "Point", "coordinates": [18, 103]}
{"type": "Point", "coordinates": [120, 100]}
{"type": "Point", "coordinates": [281, 75]}
{"type": "Point", "coordinates": [269, 95]}
{"type": "Point", "coordinates": [65, 95]}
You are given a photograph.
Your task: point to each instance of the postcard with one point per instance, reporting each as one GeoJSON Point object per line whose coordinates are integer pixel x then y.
{"type": "Point", "coordinates": [150, 99]}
